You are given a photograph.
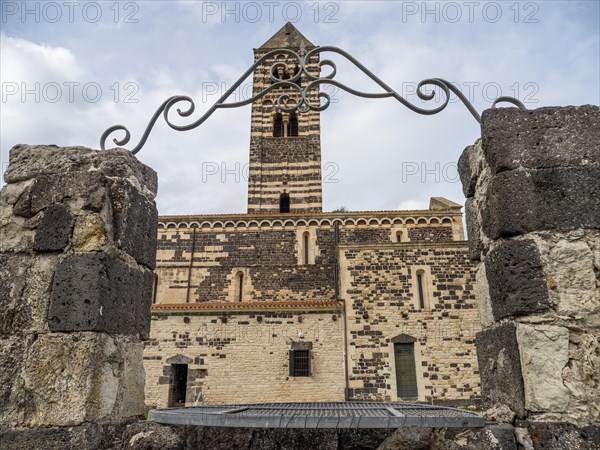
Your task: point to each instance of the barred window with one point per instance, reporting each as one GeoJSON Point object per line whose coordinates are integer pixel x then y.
{"type": "Point", "coordinates": [300, 363]}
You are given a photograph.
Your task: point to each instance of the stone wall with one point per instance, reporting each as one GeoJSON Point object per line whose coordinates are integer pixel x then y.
{"type": "Point", "coordinates": [242, 355]}
{"type": "Point", "coordinates": [199, 256]}
{"type": "Point", "coordinates": [77, 250]}
{"type": "Point", "coordinates": [533, 218]}
{"type": "Point", "coordinates": [269, 260]}
{"type": "Point", "coordinates": [378, 285]}
{"type": "Point", "coordinates": [290, 164]}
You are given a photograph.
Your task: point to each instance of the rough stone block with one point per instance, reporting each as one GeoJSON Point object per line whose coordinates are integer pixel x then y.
{"type": "Point", "coordinates": [54, 230]}
{"type": "Point", "coordinates": [517, 283]}
{"type": "Point", "coordinates": [25, 284]}
{"type": "Point", "coordinates": [500, 367]}
{"type": "Point", "coordinates": [95, 200]}
{"type": "Point", "coordinates": [558, 436]}
{"type": "Point", "coordinates": [72, 378]}
{"type": "Point", "coordinates": [153, 436]}
{"type": "Point", "coordinates": [30, 161]}
{"type": "Point", "coordinates": [469, 168]}
{"type": "Point", "coordinates": [135, 223]}
{"type": "Point", "coordinates": [62, 188]}
{"type": "Point", "coordinates": [541, 138]}
{"type": "Point", "coordinates": [15, 236]}
{"type": "Point", "coordinates": [89, 234]}
{"type": "Point", "coordinates": [521, 201]}
{"type": "Point", "coordinates": [86, 436]}
{"type": "Point", "coordinates": [11, 193]}
{"type": "Point", "coordinates": [491, 437]}
{"type": "Point", "coordinates": [131, 402]}
{"type": "Point", "coordinates": [572, 266]}
{"type": "Point", "coordinates": [13, 350]}
{"type": "Point", "coordinates": [484, 303]}
{"type": "Point", "coordinates": [544, 351]}
{"type": "Point", "coordinates": [97, 292]}
{"type": "Point", "coordinates": [473, 233]}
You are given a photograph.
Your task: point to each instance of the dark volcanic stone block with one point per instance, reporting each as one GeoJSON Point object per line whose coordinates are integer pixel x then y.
{"type": "Point", "coordinates": [473, 230]}
{"type": "Point", "coordinates": [58, 188]}
{"type": "Point", "coordinates": [22, 206]}
{"type": "Point", "coordinates": [86, 436]}
{"type": "Point", "coordinates": [522, 201]}
{"type": "Point", "coordinates": [135, 223]}
{"type": "Point", "coordinates": [468, 176]}
{"type": "Point", "coordinates": [97, 292]}
{"type": "Point", "coordinates": [549, 435]}
{"type": "Point", "coordinates": [541, 138]}
{"type": "Point", "coordinates": [500, 367]}
{"type": "Point", "coordinates": [54, 231]}
{"type": "Point", "coordinates": [516, 280]}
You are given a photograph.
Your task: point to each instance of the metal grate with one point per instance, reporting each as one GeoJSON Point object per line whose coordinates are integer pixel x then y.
{"type": "Point", "coordinates": [320, 415]}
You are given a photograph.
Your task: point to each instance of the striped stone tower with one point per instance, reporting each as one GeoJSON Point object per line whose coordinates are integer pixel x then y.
{"type": "Point", "coordinates": [285, 148]}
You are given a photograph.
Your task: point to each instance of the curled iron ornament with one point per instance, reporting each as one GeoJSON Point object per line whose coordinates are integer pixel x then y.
{"type": "Point", "coordinates": [303, 103]}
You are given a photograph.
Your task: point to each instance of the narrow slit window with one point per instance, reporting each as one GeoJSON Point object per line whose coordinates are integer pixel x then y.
{"type": "Point", "coordinates": [154, 288]}
{"type": "Point", "coordinates": [399, 236]}
{"type": "Point", "coordinates": [305, 244]}
{"type": "Point", "coordinates": [240, 287]}
{"type": "Point", "coordinates": [420, 288]}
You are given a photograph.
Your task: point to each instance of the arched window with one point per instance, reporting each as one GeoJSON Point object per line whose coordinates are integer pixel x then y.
{"type": "Point", "coordinates": [420, 288]}
{"type": "Point", "coordinates": [398, 236]}
{"type": "Point", "coordinates": [240, 286]}
{"type": "Point", "coordinates": [305, 245]}
{"type": "Point", "coordinates": [293, 126]}
{"type": "Point", "coordinates": [284, 203]}
{"type": "Point", "coordinates": [278, 126]}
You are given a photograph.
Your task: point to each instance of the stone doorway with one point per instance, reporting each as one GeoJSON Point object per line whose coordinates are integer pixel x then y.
{"type": "Point", "coordinates": [406, 376]}
{"type": "Point", "coordinates": [178, 385]}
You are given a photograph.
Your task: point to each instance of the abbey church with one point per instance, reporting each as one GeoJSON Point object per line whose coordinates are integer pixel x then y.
{"type": "Point", "coordinates": [289, 303]}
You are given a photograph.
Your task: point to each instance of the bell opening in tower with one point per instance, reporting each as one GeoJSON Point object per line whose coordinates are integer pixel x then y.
{"type": "Point", "coordinates": [284, 203]}
{"type": "Point", "coordinates": [278, 126]}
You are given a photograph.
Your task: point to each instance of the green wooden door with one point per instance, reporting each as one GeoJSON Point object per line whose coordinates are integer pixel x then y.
{"type": "Point", "coordinates": [406, 376]}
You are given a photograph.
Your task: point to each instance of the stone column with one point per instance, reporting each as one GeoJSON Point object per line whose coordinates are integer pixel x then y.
{"type": "Point", "coordinates": [77, 250]}
{"type": "Point", "coordinates": [533, 216]}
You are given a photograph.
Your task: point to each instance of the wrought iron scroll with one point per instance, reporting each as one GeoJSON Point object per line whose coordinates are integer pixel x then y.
{"type": "Point", "coordinates": [303, 103]}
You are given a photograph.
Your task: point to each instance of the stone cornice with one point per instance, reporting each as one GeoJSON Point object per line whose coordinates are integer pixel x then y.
{"type": "Point", "coordinates": [327, 219]}
{"type": "Point", "coordinates": [227, 307]}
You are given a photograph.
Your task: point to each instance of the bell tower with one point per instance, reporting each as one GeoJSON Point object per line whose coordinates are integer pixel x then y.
{"type": "Point", "coordinates": [285, 147]}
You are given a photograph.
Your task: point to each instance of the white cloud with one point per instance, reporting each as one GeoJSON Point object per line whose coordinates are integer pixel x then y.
{"type": "Point", "coordinates": [374, 144]}
{"type": "Point", "coordinates": [27, 61]}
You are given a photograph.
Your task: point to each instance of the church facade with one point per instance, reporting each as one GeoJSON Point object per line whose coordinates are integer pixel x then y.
{"type": "Point", "coordinates": [290, 303]}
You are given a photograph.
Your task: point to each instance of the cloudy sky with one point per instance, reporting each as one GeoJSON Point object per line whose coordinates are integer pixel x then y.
{"type": "Point", "coordinates": [69, 70]}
